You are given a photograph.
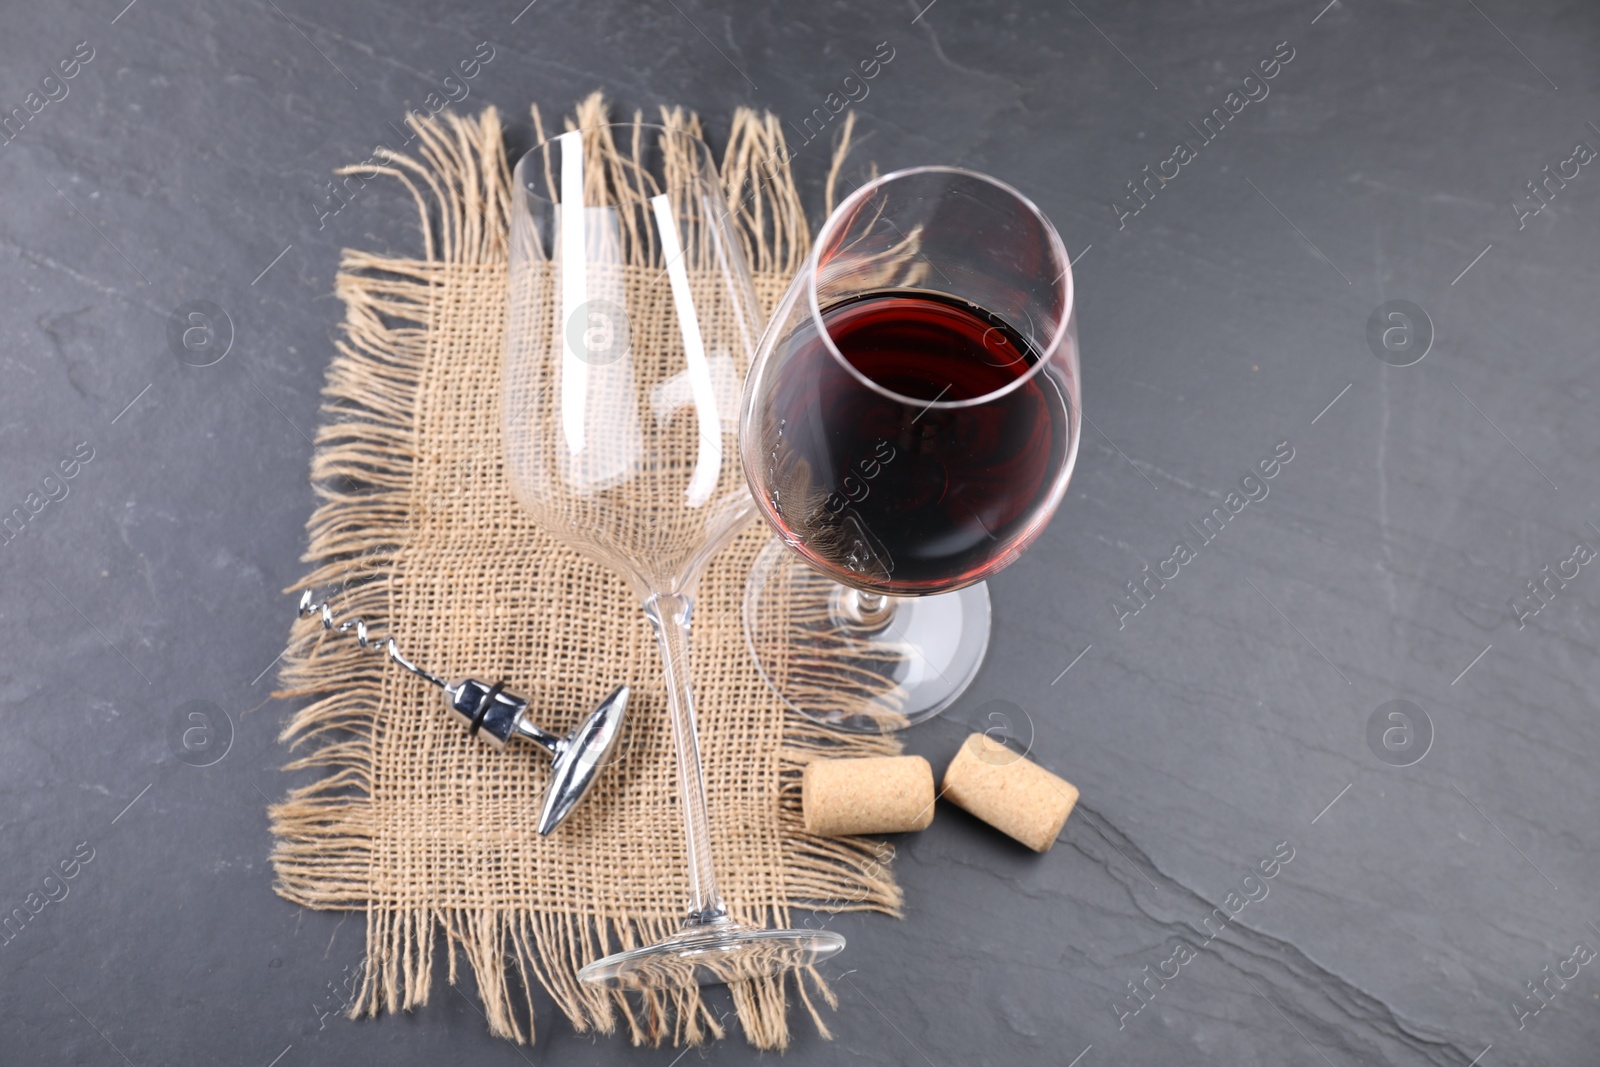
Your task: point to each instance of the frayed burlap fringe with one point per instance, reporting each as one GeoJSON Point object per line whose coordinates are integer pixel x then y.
{"type": "Point", "coordinates": [405, 819]}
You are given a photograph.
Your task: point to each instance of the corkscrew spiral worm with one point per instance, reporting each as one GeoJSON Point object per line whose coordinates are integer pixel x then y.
{"type": "Point", "coordinates": [310, 606]}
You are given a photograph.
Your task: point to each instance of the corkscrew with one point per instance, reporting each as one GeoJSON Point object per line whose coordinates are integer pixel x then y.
{"type": "Point", "coordinates": [489, 711]}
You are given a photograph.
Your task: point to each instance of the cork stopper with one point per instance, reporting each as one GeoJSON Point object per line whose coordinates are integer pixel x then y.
{"type": "Point", "coordinates": [1009, 792]}
{"type": "Point", "coordinates": [875, 795]}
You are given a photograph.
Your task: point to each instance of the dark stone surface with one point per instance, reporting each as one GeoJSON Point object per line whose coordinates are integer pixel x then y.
{"type": "Point", "coordinates": [1221, 720]}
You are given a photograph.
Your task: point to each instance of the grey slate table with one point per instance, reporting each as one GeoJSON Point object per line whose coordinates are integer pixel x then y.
{"type": "Point", "coordinates": [1441, 885]}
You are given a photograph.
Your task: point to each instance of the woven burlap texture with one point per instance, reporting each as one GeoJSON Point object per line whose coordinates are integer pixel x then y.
{"type": "Point", "coordinates": [430, 832]}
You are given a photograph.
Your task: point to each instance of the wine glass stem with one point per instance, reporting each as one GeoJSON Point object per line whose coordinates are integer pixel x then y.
{"type": "Point", "coordinates": [669, 615]}
{"type": "Point", "coordinates": [870, 611]}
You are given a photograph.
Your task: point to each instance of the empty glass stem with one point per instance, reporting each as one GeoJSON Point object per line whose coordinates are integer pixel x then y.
{"type": "Point", "coordinates": [669, 614]}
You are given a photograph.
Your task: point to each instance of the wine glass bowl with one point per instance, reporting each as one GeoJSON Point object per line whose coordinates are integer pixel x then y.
{"type": "Point", "coordinates": [908, 429]}
{"type": "Point", "coordinates": [631, 321]}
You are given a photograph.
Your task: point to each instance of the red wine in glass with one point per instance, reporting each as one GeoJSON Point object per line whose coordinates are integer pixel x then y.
{"type": "Point", "coordinates": [909, 425]}
{"type": "Point", "coordinates": [909, 499]}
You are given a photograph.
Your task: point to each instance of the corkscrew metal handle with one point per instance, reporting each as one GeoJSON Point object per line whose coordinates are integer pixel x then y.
{"type": "Point", "coordinates": [493, 713]}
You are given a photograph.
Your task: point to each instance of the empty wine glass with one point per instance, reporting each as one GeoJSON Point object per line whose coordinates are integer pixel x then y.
{"type": "Point", "coordinates": [908, 428]}
{"type": "Point", "coordinates": [632, 320]}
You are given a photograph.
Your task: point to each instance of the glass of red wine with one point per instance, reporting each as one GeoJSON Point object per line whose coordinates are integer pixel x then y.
{"type": "Point", "coordinates": [909, 425]}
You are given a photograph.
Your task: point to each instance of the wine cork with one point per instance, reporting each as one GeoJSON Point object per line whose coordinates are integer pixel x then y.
{"type": "Point", "coordinates": [875, 795]}
{"type": "Point", "coordinates": [1009, 792]}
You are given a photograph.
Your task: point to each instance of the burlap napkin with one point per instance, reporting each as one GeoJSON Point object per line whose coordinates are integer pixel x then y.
{"type": "Point", "coordinates": [428, 831]}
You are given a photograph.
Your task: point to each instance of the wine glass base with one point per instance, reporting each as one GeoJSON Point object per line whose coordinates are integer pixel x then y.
{"type": "Point", "coordinates": [713, 953]}
{"type": "Point", "coordinates": [868, 674]}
